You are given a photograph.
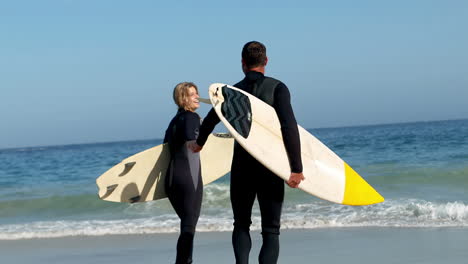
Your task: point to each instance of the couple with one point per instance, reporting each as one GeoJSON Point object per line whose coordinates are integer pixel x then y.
{"type": "Point", "coordinates": [249, 179]}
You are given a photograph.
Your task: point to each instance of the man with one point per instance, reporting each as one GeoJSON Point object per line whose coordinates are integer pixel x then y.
{"type": "Point", "coordinates": [249, 178]}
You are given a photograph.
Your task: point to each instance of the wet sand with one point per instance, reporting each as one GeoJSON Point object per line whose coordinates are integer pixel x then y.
{"type": "Point", "coordinates": [346, 245]}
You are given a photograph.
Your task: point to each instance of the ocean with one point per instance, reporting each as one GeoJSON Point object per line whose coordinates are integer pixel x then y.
{"type": "Point", "coordinates": [420, 168]}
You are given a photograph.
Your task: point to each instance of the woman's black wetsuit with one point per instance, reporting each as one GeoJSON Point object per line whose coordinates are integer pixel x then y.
{"type": "Point", "coordinates": [184, 186]}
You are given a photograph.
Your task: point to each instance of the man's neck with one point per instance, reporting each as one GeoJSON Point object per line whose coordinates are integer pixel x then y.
{"type": "Point", "coordinates": [260, 69]}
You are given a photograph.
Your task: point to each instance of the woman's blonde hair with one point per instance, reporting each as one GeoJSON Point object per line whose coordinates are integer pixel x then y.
{"type": "Point", "coordinates": [181, 95]}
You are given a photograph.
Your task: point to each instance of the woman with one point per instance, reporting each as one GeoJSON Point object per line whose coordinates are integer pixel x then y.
{"type": "Point", "coordinates": [184, 186]}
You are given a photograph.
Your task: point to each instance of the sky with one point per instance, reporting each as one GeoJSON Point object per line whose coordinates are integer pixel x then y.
{"type": "Point", "coordinates": [85, 71]}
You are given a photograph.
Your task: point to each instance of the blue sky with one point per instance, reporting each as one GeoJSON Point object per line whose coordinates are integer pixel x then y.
{"type": "Point", "coordinates": [97, 71]}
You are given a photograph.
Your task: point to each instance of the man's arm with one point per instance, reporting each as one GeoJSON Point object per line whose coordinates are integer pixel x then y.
{"type": "Point", "coordinates": [290, 132]}
{"type": "Point", "coordinates": [207, 126]}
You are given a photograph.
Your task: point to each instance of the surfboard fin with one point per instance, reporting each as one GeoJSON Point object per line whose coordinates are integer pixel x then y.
{"type": "Point", "coordinates": [135, 199]}
{"type": "Point", "coordinates": [128, 167]}
{"type": "Point", "coordinates": [109, 191]}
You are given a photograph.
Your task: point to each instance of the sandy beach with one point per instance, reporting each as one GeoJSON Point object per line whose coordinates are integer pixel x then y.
{"type": "Point", "coordinates": [350, 245]}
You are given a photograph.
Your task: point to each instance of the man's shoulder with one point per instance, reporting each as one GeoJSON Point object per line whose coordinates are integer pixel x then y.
{"type": "Point", "coordinates": [274, 81]}
{"type": "Point", "coordinates": [272, 78]}
{"type": "Point", "coordinates": [280, 87]}
{"type": "Point", "coordinates": [239, 84]}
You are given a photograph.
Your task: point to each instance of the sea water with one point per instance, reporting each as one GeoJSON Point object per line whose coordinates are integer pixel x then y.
{"type": "Point", "coordinates": [420, 168]}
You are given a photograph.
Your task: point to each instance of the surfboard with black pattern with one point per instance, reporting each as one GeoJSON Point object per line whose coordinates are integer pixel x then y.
{"type": "Point", "coordinates": [256, 127]}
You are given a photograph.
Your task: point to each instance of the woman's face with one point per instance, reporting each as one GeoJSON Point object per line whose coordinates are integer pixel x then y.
{"type": "Point", "coordinates": [193, 96]}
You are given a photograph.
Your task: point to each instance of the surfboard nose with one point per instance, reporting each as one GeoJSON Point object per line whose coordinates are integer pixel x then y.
{"type": "Point", "coordinates": [358, 191]}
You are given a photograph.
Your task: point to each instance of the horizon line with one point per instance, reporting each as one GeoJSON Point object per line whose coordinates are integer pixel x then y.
{"type": "Point", "coordinates": [150, 139]}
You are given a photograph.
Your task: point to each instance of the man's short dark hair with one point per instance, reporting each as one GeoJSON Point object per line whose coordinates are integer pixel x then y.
{"type": "Point", "coordinates": [254, 54]}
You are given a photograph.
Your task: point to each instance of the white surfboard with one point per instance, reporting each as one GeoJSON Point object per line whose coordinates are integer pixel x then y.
{"type": "Point", "coordinates": [141, 177]}
{"type": "Point", "coordinates": [255, 126]}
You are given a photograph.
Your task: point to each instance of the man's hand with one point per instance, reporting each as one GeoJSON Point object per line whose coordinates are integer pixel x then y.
{"type": "Point", "coordinates": [295, 179]}
{"type": "Point", "coordinates": [192, 145]}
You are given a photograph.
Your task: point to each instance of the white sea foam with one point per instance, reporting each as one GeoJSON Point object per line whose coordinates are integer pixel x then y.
{"type": "Point", "coordinates": [392, 213]}
{"type": "Point", "coordinates": [216, 194]}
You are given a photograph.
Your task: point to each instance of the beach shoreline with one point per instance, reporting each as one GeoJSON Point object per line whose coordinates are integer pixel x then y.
{"type": "Point", "coordinates": [327, 245]}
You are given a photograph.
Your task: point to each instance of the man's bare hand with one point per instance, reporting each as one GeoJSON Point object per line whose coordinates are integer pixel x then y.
{"type": "Point", "coordinates": [192, 145]}
{"type": "Point", "coordinates": [295, 179]}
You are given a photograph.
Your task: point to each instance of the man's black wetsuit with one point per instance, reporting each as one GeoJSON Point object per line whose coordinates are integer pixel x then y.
{"type": "Point", "coordinates": [184, 186]}
{"type": "Point", "coordinates": [249, 178]}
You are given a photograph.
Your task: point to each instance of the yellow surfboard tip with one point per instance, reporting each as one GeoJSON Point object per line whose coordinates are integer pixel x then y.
{"type": "Point", "coordinates": [358, 191]}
